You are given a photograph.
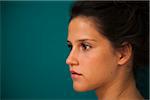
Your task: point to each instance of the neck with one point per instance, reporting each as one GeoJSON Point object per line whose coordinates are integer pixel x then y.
{"type": "Point", "coordinates": [122, 87]}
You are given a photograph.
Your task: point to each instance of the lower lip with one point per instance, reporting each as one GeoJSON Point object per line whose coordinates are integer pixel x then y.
{"type": "Point", "coordinates": [75, 76]}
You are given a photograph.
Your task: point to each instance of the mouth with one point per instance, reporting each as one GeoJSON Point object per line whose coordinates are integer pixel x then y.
{"type": "Point", "coordinates": [74, 72]}
{"type": "Point", "coordinates": [75, 75]}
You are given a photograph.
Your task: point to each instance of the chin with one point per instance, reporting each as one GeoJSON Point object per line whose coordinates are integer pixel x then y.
{"type": "Point", "coordinates": [80, 87]}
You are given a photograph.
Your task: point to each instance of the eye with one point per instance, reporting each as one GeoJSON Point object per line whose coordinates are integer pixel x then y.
{"type": "Point", "coordinates": [85, 46]}
{"type": "Point", "coordinates": [69, 46]}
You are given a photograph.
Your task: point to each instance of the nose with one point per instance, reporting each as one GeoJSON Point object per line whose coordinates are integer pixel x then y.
{"type": "Point", "coordinates": [72, 58]}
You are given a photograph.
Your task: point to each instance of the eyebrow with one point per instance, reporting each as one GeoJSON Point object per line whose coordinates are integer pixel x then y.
{"type": "Point", "coordinates": [82, 40]}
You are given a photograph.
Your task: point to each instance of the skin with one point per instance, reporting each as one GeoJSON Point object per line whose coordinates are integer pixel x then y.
{"type": "Point", "coordinates": [104, 68]}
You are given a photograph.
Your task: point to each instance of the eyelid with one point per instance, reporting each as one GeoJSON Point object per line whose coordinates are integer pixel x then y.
{"type": "Point", "coordinates": [86, 43]}
{"type": "Point", "coordinates": [85, 46]}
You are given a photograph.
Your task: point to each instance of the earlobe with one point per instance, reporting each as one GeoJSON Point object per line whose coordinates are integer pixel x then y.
{"type": "Point", "coordinates": [125, 53]}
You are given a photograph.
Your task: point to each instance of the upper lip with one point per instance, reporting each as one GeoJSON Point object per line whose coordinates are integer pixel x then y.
{"type": "Point", "coordinates": [75, 72]}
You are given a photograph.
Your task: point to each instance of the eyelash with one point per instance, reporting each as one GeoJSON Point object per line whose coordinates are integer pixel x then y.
{"type": "Point", "coordinates": [70, 47]}
{"type": "Point", "coordinates": [84, 46]}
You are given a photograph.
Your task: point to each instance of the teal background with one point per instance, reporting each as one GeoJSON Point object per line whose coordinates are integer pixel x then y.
{"type": "Point", "coordinates": [34, 51]}
{"type": "Point", "coordinates": [0, 47]}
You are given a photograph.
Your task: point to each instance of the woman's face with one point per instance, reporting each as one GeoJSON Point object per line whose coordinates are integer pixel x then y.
{"type": "Point", "coordinates": [92, 59]}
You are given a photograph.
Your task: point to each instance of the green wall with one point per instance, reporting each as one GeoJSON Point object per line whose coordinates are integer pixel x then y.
{"type": "Point", "coordinates": [34, 51]}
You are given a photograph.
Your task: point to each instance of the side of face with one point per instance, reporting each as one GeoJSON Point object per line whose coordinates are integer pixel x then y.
{"type": "Point", "coordinates": [91, 54]}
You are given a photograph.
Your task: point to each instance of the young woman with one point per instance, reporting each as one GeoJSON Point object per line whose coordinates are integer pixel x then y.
{"type": "Point", "coordinates": [107, 40]}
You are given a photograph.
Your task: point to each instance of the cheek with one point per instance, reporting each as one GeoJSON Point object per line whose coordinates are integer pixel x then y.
{"type": "Point", "coordinates": [99, 67]}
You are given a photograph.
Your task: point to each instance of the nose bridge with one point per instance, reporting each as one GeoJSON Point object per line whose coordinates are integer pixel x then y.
{"type": "Point", "coordinates": [72, 58]}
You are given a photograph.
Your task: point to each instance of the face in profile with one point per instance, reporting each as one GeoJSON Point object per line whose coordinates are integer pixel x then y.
{"type": "Point", "coordinates": [92, 60]}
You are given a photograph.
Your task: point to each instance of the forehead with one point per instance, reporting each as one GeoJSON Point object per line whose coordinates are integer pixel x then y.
{"type": "Point", "coordinates": [80, 23]}
{"type": "Point", "coordinates": [83, 27]}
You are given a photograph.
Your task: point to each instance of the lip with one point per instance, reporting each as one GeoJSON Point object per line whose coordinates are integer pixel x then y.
{"type": "Point", "coordinates": [74, 74]}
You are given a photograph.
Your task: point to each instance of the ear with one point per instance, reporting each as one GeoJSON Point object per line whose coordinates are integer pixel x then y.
{"type": "Point", "coordinates": [124, 53]}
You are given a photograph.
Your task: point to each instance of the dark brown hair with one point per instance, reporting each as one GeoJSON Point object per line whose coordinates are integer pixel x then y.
{"type": "Point", "coordinates": [121, 21]}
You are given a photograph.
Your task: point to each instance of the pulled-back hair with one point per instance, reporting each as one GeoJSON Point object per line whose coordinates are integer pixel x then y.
{"type": "Point", "coordinates": [120, 21]}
